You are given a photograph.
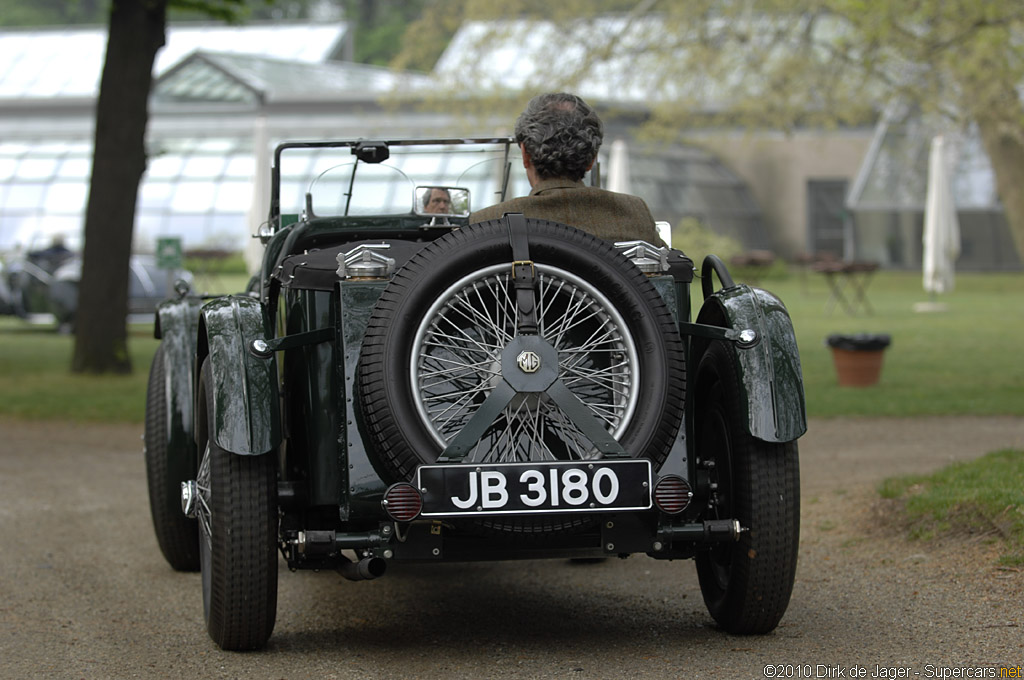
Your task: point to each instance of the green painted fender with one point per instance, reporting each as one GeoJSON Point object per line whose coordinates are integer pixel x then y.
{"type": "Point", "coordinates": [769, 368]}
{"type": "Point", "coordinates": [246, 410]}
{"type": "Point", "coordinates": [175, 326]}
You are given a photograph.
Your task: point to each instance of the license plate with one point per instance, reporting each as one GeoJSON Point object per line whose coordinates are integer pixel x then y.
{"type": "Point", "coordinates": [526, 488]}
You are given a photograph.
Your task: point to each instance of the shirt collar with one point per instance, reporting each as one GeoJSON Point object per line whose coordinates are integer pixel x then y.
{"type": "Point", "coordinates": [556, 183]}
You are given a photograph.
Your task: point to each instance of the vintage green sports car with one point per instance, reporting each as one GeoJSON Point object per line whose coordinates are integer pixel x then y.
{"type": "Point", "coordinates": [398, 384]}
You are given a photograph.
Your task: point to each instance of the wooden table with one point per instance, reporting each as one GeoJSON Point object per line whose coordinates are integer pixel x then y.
{"type": "Point", "coordinates": [848, 282]}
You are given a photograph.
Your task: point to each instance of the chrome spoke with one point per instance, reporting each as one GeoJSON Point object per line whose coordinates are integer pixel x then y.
{"type": "Point", "coordinates": [465, 337]}
{"type": "Point", "coordinates": [577, 443]}
{"type": "Point", "coordinates": [457, 371]}
{"type": "Point", "coordinates": [615, 383]}
{"type": "Point", "coordinates": [203, 511]}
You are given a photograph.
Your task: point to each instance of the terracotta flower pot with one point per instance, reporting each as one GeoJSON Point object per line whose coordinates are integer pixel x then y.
{"type": "Point", "coordinates": [858, 358]}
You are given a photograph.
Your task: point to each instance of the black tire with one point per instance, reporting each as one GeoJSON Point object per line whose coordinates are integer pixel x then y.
{"type": "Point", "coordinates": [177, 535]}
{"type": "Point", "coordinates": [746, 584]}
{"type": "Point", "coordinates": [237, 537]}
{"type": "Point", "coordinates": [469, 268]}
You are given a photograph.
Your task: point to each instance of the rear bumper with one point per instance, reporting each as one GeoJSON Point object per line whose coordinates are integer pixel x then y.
{"type": "Point", "coordinates": [438, 541]}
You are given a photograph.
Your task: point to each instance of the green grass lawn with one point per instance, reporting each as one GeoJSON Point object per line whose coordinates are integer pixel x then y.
{"type": "Point", "coordinates": [962, 361]}
{"type": "Point", "coordinates": [35, 380]}
{"type": "Point", "coordinates": [980, 497]}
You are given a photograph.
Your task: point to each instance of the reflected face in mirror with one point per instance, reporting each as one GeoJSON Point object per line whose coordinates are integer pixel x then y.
{"type": "Point", "coordinates": [438, 202]}
{"type": "Point", "coordinates": [450, 201]}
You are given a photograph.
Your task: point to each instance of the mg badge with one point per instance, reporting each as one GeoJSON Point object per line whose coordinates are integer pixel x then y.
{"type": "Point", "coordinates": [528, 361]}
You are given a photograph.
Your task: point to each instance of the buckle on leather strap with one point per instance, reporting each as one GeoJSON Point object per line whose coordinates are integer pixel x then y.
{"type": "Point", "coordinates": [518, 272]}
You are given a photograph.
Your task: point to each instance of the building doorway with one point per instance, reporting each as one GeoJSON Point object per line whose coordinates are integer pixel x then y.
{"type": "Point", "coordinates": [827, 218]}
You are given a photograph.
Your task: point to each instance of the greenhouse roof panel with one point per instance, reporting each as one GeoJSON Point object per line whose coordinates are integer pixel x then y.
{"type": "Point", "coordinates": [219, 77]}
{"type": "Point", "coordinates": [67, 62]}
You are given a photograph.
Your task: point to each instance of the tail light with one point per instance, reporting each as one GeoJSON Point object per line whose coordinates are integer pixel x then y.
{"type": "Point", "coordinates": [402, 502]}
{"type": "Point", "coordinates": [672, 494]}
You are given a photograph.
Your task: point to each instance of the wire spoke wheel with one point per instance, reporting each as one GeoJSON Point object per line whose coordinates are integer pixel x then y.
{"type": "Point", "coordinates": [456, 361]}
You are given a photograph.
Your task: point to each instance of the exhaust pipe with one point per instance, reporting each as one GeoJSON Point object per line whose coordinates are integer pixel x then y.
{"type": "Point", "coordinates": [365, 569]}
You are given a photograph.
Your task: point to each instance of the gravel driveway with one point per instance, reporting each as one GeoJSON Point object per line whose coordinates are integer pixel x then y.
{"type": "Point", "coordinates": [85, 593]}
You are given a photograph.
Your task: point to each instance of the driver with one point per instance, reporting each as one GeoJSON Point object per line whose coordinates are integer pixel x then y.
{"type": "Point", "coordinates": [559, 136]}
{"type": "Point", "coordinates": [437, 202]}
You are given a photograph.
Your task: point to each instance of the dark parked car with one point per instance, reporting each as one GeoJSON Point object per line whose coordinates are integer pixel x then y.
{"type": "Point", "coordinates": [403, 386]}
{"type": "Point", "coordinates": [44, 284]}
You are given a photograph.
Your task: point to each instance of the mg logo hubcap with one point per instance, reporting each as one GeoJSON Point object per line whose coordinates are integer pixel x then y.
{"type": "Point", "coordinates": [528, 361]}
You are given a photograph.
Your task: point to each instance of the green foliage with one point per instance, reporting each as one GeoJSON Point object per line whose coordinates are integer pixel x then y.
{"type": "Point", "coordinates": [770, 64]}
{"type": "Point", "coordinates": [221, 264]}
{"type": "Point", "coordinates": [230, 11]}
{"type": "Point", "coordinates": [983, 496]}
{"type": "Point", "coordinates": [380, 27]}
{"type": "Point", "coordinates": [52, 12]}
{"type": "Point", "coordinates": [775, 64]}
{"type": "Point", "coordinates": [71, 12]}
{"type": "Point", "coordinates": [696, 240]}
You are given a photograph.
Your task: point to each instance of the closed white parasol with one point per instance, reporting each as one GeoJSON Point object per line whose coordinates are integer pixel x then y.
{"type": "Point", "coordinates": [259, 205]}
{"type": "Point", "coordinates": [941, 227]}
{"type": "Point", "coordinates": [618, 167]}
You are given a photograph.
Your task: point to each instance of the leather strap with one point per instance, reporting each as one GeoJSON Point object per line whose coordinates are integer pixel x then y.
{"type": "Point", "coordinates": [524, 276]}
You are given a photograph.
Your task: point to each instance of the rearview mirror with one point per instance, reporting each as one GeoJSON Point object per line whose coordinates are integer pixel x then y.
{"type": "Point", "coordinates": [437, 201]}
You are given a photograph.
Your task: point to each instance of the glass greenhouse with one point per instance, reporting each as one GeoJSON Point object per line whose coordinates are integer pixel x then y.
{"type": "Point", "coordinates": [222, 99]}
{"type": "Point", "coordinates": [888, 198]}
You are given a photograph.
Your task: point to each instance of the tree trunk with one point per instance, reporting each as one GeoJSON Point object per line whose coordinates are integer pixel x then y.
{"type": "Point", "coordinates": [1003, 138]}
{"type": "Point", "coordinates": [137, 29]}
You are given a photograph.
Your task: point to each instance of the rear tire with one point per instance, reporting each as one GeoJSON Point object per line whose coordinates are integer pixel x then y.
{"type": "Point", "coordinates": [433, 346]}
{"type": "Point", "coordinates": [177, 535]}
{"type": "Point", "coordinates": [238, 537]}
{"type": "Point", "coordinates": [746, 584]}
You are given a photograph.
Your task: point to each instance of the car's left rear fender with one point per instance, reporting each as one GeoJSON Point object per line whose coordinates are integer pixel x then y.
{"type": "Point", "coordinates": [175, 326]}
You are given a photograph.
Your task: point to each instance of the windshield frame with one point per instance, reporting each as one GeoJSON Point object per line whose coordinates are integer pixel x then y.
{"type": "Point", "coordinates": [275, 184]}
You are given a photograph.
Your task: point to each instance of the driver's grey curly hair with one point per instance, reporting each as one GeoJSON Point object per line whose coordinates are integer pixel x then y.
{"type": "Point", "coordinates": [561, 133]}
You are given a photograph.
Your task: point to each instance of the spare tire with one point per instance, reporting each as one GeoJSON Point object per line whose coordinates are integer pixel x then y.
{"type": "Point", "coordinates": [432, 350]}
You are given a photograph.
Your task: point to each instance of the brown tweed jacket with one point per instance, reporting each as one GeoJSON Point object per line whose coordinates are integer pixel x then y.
{"type": "Point", "coordinates": [605, 214]}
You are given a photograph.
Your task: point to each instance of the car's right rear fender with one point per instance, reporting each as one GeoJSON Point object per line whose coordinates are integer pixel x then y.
{"type": "Point", "coordinates": [246, 415]}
